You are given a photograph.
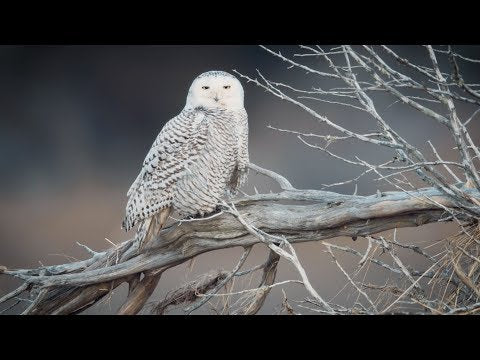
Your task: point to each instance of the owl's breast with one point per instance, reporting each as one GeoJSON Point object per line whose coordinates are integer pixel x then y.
{"type": "Point", "coordinates": [200, 190]}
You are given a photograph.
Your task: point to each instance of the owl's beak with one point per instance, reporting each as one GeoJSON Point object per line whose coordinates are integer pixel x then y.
{"type": "Point", "coordinates": [216, 98]}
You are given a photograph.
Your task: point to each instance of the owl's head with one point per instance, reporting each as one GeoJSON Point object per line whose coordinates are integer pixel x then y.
{"type": "Point", "coordinates": [216, 89]}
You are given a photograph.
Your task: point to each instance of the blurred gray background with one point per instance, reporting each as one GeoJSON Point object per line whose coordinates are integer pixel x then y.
{"type": "Point", "coordinates": [77, 121]}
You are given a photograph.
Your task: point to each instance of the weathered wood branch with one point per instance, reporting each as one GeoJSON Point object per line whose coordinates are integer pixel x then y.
{"type": "Point", "coordinates": [297, 215]}
{"type": "Point", "coordinates": [268, 278]}
{"type": "Point", "coordinates": [329, 215]}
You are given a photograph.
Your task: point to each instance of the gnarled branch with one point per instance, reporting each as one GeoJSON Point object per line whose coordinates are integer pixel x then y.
{"type": "Point", "coordinates": [314, 215]}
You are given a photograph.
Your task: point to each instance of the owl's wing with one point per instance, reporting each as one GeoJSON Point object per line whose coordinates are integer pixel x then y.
{"type": "Point", "coordinates": [240, 172]}
{"type": "Point", "coordinates": [176, 146]}
{"type": "Point", "coordinates": [174, 138]}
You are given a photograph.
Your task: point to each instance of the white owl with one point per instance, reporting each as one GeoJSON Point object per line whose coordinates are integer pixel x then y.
{"type": "Point", "coordinates": [197, 157]}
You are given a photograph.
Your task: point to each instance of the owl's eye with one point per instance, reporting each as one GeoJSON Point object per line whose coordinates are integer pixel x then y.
{"type": "Point", "coordinates": [227, 87]}
{"type": "Point", "coordinates": [205, 87]}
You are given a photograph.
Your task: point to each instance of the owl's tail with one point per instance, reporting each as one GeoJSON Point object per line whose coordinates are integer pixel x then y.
{"type": "Point", "coordinates": [150, 227]}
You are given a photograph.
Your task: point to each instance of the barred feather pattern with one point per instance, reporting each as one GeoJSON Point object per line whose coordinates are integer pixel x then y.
{"type": "Point", "coordinates": [198, 157]}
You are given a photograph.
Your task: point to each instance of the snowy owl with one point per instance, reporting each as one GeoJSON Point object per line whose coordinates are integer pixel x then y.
{"type": "Point", "coordinates": [199, 156]}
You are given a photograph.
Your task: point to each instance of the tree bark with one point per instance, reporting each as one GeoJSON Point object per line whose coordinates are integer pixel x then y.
{"type": "Point", "coordinates": [298, 215]}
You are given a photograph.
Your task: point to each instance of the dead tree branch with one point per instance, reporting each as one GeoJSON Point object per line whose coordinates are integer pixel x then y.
{"type": "Point", "coordinates": [75, 286]}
